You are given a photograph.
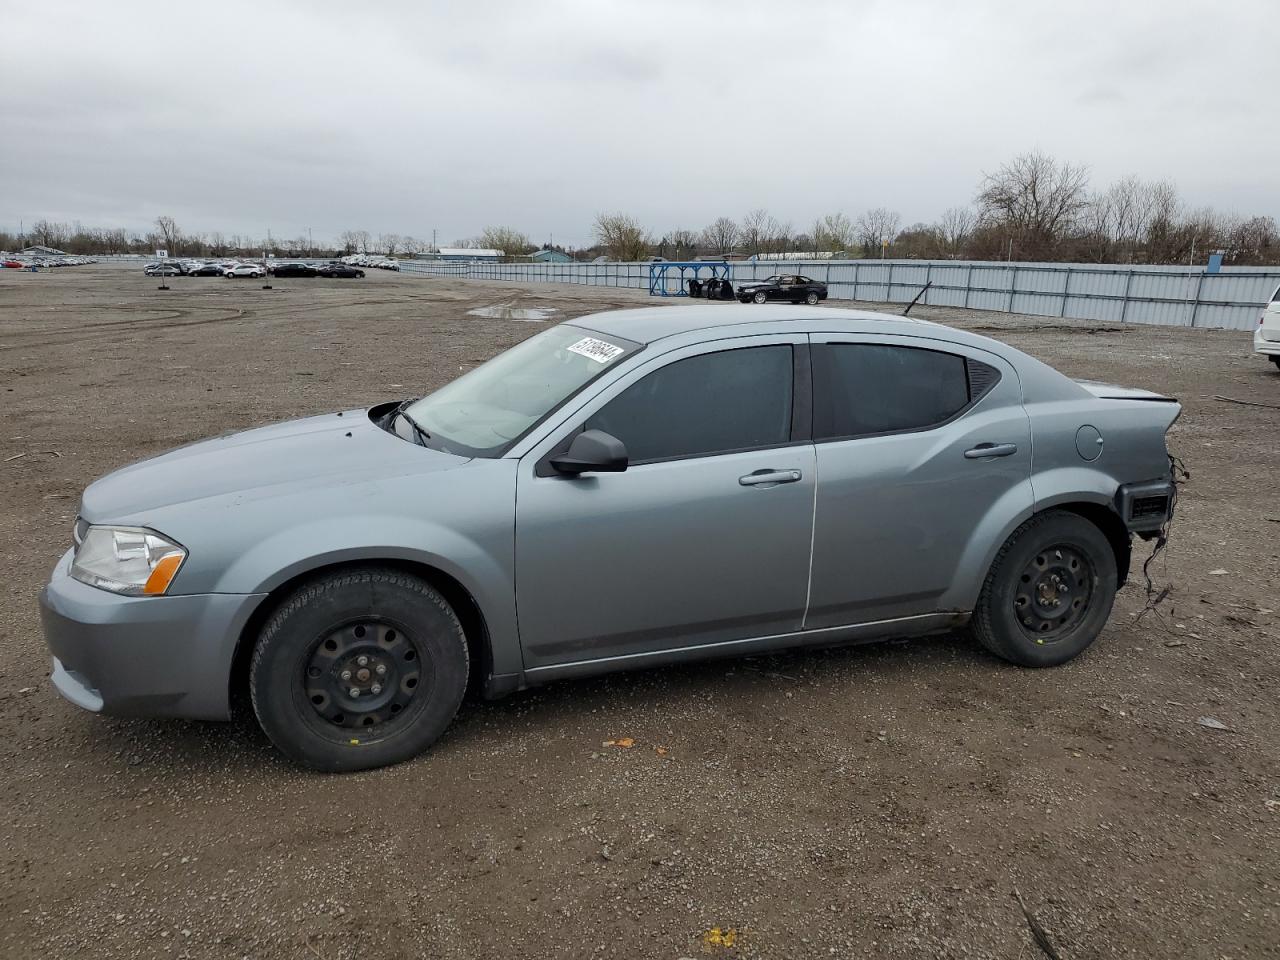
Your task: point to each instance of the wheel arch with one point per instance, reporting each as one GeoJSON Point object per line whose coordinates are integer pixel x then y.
{"type": "Point", "coordinates": [1108, 521]}
{"type": "Point", "coordinates": [475, 628]}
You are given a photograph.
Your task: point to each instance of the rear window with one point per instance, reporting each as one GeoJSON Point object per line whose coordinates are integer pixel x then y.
{"type": "Point", "coordinates": [865, 389]}
{"type": "Point", "coordinates": [1275, 297]}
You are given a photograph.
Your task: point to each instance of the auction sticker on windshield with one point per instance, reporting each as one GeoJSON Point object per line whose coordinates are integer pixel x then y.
{"type": "Point", "coordinates": [597, 350]}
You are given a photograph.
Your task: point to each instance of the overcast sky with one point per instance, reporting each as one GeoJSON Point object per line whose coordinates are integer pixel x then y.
{"type": "Point", "coordinates": [405, 117]}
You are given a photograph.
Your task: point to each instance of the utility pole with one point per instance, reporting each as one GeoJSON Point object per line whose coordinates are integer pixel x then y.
{"type": "Point", "coordinates": [311, 250]}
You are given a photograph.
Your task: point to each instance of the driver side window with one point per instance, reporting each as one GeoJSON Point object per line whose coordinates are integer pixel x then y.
{"type": "Point", "coordinates": [713, 403]}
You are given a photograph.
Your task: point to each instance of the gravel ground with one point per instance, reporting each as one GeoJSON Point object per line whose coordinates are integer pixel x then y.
{"type": "Point", "coordinates": [876, 801]}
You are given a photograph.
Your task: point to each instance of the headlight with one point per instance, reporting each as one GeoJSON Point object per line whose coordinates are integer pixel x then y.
{"type": "Point", "coordinates": [129, 560]}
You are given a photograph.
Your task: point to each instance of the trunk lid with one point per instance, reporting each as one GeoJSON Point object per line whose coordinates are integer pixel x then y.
{"type": "Point", "coordinates": [1111, 391]}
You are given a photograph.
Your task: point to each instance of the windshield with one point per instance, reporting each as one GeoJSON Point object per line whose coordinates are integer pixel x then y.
{"type": "Point", "coordinates": [486, 410]}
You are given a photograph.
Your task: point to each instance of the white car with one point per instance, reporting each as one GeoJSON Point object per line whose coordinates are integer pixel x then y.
{"type": "Point", "coordinates": [1266, 339]}
{"type": "Point", "coordinates": [245, 270]}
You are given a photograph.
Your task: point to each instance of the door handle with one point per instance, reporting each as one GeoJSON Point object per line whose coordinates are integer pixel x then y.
{"type": "Point", "coordinates": [761, 478]}
{"type": "Point", "coordinates": [984, 450]}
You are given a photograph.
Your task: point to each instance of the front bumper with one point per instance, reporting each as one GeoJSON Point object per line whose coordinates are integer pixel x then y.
{"type": "Point", "coordinates": [1269, 348]}
{"type": "Point", "coordinates": [142, 656]}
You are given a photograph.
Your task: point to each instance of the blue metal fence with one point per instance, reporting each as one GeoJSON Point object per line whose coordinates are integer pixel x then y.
{"type": "Point", "coordinates": [1116, 293]}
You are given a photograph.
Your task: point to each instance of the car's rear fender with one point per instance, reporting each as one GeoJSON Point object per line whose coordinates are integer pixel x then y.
{"type": "Point", "coordinates": [1008, 513]}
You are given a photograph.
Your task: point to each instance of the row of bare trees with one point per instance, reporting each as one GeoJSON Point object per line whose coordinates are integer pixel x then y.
{"type": "Point", "coordinates": [1034, 207]}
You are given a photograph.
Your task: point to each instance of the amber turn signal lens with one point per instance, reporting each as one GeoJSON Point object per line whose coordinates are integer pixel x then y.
{"type": "Point", "coordinates": [162, 575]}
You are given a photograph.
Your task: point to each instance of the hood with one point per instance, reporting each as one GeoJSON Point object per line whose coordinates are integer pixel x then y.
{"type": "Point", "coordinates": [275, 460]}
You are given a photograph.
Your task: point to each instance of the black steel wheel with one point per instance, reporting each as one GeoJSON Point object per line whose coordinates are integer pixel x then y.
{"type": "Point", "coordinates": [358, 669]}
{"type": "Point", "coordinates": [1049, 592]}
{"type": "Point", "coordinates": [366, 674]}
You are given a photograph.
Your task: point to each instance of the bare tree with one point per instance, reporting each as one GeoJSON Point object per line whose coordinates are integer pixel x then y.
{"type": "Point", "coordinates": [169, 233]}
{"type": "Point", "coordinates": [507, 239]}
{"type": "Point", "coordinates": [720, 235]}
{"type": "Point", "coordinates": [876, 229]}
{"type": "Point", "coordinates": [1036, 199]}
{"type": "Point", "coordinates": [684, 244]}
{"type": "Point", "coordinates": [832, 233]}
{"type": "Point", "coordinates": [758, 228]}
{"type": "Point", "coordinates": [954, 229]}
{"type": "Point", "coordinates": [621, 236]}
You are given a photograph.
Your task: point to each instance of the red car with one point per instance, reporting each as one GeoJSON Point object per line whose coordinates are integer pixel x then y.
{"type": "Point", "coordinates": [15, 264]}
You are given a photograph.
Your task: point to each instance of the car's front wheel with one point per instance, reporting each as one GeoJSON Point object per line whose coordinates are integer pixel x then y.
{"type": "Point", "coordinates": [760, 297]}
{"type": "Point", "coordinates": [1276, 361]}
{"type": "Point", "coordinates": [811, 298]}
{"type": "Point", "coordinates": [1048, 593]}
{"type": "Point", "coordinates": [359, 669]}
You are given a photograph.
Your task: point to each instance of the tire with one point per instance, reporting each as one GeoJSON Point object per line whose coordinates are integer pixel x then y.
{"type": "Point", "coordinates": [811, 298]}
{"type": "Point", "coordinates": [1054, 558]}
{"type": "Point", "coordinates": [311, 648]}
{"type": "Point", "coordinates": [1276, 361]}
{"type": "Point", "coordinates": [761, 297]}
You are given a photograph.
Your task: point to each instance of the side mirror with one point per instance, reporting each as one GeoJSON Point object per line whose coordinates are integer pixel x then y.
{"type": "Point", "coordinates": [592, 451]}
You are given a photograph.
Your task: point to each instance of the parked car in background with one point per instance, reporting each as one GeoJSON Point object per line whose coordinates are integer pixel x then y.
{"type": "Point", "coordinates": [1266, 339]}
{"type": "Point", "coordinates": [790, 288]}
{"type": "Point", "coordinates": [646, 487]}
{"type": "Point", "coordinates": [207, 270]}
{"type": "Point", "coordinates": [338, 270]}
{"type": "Point", "coordinates": [161, 270]}
{"type": "Point", "coordinates": [244, 270]}
{"type": "Point", "coordinates": [294, 270]}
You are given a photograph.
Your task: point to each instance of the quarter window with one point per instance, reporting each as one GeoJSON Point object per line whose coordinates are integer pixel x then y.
{"type": "Point", "coordinates": [712, 403]}
{"type": "Point", "coordinates": [862, 389]}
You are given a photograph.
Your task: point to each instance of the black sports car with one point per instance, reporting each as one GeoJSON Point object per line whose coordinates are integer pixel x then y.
{"type": "Point", "coordinates": [338, 270]}
{"type": "Point", "coordinates": [788, 287]}
{"type": "Point", "coordinates": [294, 270]}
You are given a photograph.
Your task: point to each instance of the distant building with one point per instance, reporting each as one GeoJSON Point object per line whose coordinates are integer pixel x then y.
{"type": "Point", "coordinates": [42, 252]}
{"type": "Point", "coordinates": [462, 254]}
{"type": "Point", "coordinates": [550, 256]}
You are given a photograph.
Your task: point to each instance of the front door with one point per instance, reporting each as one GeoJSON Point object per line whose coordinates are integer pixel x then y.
{"type": "Point", "coordinates": [704, 539]}
{"type": "Point", "coordinates": [921, 453]}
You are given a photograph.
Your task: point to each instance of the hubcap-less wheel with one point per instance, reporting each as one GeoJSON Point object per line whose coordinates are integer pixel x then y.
{"type": "Point", "coordinates": [1053, 593]}
{"type": "Point", "coordinates": [811, 299]}
{"type": "Point", "coordinates": [760, 298]}
{"type": "Point", "coordinates": [364, 674]}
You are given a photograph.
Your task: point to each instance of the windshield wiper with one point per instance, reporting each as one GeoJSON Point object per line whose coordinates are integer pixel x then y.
{"type": "Point", "coordinates": [418, 431]}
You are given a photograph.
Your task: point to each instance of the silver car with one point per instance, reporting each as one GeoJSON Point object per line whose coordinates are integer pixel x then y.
{"type": "Point", "coordinates": [630, 489]}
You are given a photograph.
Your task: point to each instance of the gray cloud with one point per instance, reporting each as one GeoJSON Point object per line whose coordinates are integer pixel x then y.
{"type": "Point", "coordinates": [408, 117]}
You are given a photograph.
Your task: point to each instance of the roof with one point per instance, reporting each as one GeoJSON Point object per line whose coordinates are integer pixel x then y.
{"type": "Point", "coordinates": [467, 252]}
{"type": "Point", "coordinates": [647, 324]}
{"type": "Point", "coordinates": [46, 250]}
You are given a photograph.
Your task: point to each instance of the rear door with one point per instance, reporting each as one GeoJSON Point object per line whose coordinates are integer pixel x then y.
{"type": "Point", "coordinates": [922, 447]}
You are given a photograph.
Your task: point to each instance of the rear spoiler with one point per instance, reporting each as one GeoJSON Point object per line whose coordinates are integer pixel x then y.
{"type": "Point", "coordinates": [1109, 391]}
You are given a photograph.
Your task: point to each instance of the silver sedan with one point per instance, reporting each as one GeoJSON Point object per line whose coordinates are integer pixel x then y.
{"type": "Point", "coordinates": [630, 489]}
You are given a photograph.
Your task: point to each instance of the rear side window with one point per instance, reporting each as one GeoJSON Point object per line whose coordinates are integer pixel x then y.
{"type": "Point", "coordinates": [1275, 297]}
{"type": "Point", "coordinates": [862, 389]}
{"type": "Point", "coordinates": [712, 403]}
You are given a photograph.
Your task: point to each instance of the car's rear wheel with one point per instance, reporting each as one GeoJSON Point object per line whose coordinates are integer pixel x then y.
{"type": "Point", "coordinates": [1049, 592]}
{"type": "Point", "coordinates": [1276, 361]}
{"type": "Point", "coordinates": [359, 669]}
{"type": "Point", "coordinates": [811, 298]}
{"type": "Point", "coordinates": [760, 297]}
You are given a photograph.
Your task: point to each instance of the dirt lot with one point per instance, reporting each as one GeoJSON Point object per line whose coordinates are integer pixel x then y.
{"type": "Point", "coordinates": [876, 801]}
